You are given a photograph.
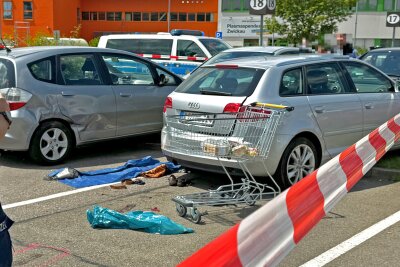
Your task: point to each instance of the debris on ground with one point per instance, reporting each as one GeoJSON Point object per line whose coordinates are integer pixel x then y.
{"type": "Point", "coordinates": [146, 221]}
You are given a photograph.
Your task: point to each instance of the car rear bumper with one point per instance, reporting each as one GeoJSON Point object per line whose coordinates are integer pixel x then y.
{"type": "Point", "coordinates": [18, 136]}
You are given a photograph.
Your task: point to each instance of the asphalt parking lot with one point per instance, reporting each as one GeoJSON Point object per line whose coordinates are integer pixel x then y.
{"type": "Point", "coordinates": [55, 231]}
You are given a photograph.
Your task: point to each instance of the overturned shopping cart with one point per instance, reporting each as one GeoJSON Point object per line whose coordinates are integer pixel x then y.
{"type": "Point", "coordinates": [235, 138]}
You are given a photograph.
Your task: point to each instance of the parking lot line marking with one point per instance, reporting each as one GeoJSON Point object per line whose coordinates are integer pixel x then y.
{"type": "Point", "coordinates": [352, 242]}
{"type": "Point", "coordinates": [61, 194]}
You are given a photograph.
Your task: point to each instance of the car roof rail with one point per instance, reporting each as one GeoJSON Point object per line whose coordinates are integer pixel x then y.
{"type": "Point", "coordinates": [311, 57]}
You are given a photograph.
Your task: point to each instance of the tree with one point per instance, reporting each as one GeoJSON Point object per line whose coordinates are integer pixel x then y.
{"type": "Point", "coordinates": [310, 19]}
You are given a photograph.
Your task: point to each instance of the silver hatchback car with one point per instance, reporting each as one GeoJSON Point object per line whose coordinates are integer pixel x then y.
{"type": "Point", "coordinates": [337, 100]}
{"type": "Point", "coordinates": [61, 97]}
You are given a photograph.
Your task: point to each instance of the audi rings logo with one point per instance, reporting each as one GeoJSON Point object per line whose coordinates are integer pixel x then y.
{"type": "Point", "coordinates": [194, 105]}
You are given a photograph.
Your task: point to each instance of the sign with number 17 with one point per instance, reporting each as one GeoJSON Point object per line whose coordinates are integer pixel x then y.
{"type": "Point", "coordinates": [262, 7]}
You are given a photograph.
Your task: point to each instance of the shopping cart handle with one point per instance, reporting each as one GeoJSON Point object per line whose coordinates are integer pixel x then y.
{"type": "Point", "coordinates": [268, 105]}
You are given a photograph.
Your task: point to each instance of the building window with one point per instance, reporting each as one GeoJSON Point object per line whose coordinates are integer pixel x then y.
{"type": "Point", "coordinates": [7, 10]}
{"type": "Point", "coordinates": [114, 16]}
{"type": "Point", "coordinates": [154, 16]}
{"type": "Point", "coordinates": [145, 16]}
{"type": "Point", "coordinates": [28, 10]}
{"type": "Point", "coordinates": [128, 16]}
{"type": "Point", "coordinates": [118, 16]}
{"type": "Point", "coordinates": [93, 15]}
{"type": "Point", "coordinates": [174, 17]}
{"type": "Point", "coordinates": [201, 17]}
{"type": "Point", "coordinates": [368, 5]}
{"type": "Point", "coordinates": [209, 17]}
{"type": "Point", "coordinates": [182, 17]}
{"type": "Point", "coordinates": [137, 16]}
{"type": "Point", "coordinates": [163, 16]}
{"type": "Point", "coordinates": [191, 16]}
{"type": "Point", "coordinates": [102, 15]}
{"type": "Point", "coordinates": [85, 15]}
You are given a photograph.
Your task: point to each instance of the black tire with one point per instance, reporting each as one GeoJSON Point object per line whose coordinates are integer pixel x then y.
{"type": "Point", "coordinates": [289, 171]}
{"type": "Point", "coordinates": [51, 143]}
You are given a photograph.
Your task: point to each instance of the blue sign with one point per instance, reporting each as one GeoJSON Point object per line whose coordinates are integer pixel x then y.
{"type": "Point", "coordinates": [218, 35]}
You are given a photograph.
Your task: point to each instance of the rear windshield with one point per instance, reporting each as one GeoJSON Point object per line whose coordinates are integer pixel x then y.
{"type": "Point", "coordinates": [231, 55]}
{"type": "Point", "coordinates": [222, 81]}
{"type": "Point", "coordinates": [7, 73]}
{"type": "Point", "coordinates": [214, 46]}
{"type": "Point", "coordinates": [142, 46]}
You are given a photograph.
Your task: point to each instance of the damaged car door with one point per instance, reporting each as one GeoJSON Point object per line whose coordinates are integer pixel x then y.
{"type": "Point", "coordinates": [86, 99]}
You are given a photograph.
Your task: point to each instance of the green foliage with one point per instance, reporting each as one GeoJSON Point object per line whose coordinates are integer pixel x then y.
{"type": "Point", "coordinates": [94, 42]}
{"type": "Point", "coordinates": [76, 31]}
{"type": "Point", "coordinates": [310, 19]}
{"type": "Point", "coordinates": [40, 39]}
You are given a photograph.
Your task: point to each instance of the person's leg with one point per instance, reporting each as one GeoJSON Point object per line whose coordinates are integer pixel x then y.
{"type": "Point", "coordinates": [6, 256]}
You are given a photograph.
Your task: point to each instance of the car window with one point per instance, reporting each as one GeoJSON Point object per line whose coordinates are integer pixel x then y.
{"type": "Point", "coordinates": [367, 79]}
{"type": "Point", "coordinates": [43, 70]}
{"type": "Point", "coordinates": [231, 55]}
{"type": "Point", "coordinates": [189, 49]}
{"type": "Point", "coordinates": [165, 77]}
{"type": "Point", "coordinates": [127, 70]}
{"type": "Point", "coordinates": [325, 79]}
{"type": "Point", "coordinates": [142, 46]}
{"type": "Point", "coordinates": [222, 81]}
{"type": "Point", "coordinates": [386, 61]}
{"type": "Point", "coordinates": [7, 73]}
{"type": "Point", "coordinates": [79, 70]}
{"type": "Point", "coordinates": [214, 46]}
{"type": "Point", "coordinates": [291, 83]}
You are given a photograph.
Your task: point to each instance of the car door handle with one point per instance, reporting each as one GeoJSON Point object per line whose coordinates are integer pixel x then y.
{"type": "Point", "coordinates": [66, 93]}
{"type": "Point", "coordinates": [125, 95]}
{"type": "Point", "coordinates": [319, 109]}
{"type": "Point", "coordinates": [368, 106]}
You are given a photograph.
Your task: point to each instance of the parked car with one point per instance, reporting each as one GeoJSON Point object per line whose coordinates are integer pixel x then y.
{"type": "Point", "coordinates": [61, 97]}
{"type": "Point", "coordinates": [385, 59]}
{"type": "Point", "coordinates": [337, 100]}
{"type": "Point", "coordinates": [180, 51]}
{"type": "Point", "coordinates": [254, 51]}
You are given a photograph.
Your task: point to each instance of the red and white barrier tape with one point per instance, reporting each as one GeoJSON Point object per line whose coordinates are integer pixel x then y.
{"type": "Point", "coordinates": [155, 56]}
{"type": "Point", "coordinates": [265, 237]}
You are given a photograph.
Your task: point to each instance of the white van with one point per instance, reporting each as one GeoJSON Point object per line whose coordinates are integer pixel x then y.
{"type": "Point", "coordinates": [180, 51]}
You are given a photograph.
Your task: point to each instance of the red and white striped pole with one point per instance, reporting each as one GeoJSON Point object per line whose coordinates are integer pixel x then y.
{"type": "Point", "coordinates": [265, 237]}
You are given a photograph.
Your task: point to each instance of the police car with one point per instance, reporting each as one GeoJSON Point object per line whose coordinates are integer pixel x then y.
{"type": "Point", "coordinates": [180, 51]}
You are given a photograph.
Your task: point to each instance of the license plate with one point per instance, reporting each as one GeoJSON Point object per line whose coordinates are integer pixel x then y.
{"type": "Point", "coordinates": [196, 118]}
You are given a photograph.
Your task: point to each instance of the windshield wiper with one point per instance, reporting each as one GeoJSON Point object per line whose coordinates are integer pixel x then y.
{"type": "Point", "coordinates": [393, 75]}
{"type": "Point", "coordinates": [209, 92]}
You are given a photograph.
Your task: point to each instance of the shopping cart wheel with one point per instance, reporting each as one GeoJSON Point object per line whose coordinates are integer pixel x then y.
{"type": "Point", "coordinates": [196, 216]}
{"type": "Point", "coordinates": [250, 200]}
{"type": "Point", "coordinates": [181, 209]}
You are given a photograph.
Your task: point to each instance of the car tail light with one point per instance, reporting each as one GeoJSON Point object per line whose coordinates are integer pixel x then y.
{"type": "Point", "coordinates": [167, 104]}
{"type": "Point", "coordinates": [232, 107]}
{"type": "Point", "coordinates": [16, 98]}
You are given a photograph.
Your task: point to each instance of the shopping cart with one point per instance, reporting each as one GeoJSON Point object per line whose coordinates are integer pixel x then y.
{"type": "Point", "coordinates": [239, 138]}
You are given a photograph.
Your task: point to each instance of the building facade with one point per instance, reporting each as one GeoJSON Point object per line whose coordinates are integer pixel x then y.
{"type": "Point", "coordinates": [228, 19]}
{"type": "Point", "coordinates": [26, 19]}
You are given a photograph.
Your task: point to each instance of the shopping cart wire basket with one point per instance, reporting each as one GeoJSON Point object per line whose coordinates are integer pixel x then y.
{"type": "Point", "coordinates": [242, 137]}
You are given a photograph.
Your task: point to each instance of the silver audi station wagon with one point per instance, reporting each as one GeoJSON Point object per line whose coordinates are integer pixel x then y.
{"type": "Point", "coordinates": [61, 97]}
{"type": "Point", "coordinates": [337, 100]}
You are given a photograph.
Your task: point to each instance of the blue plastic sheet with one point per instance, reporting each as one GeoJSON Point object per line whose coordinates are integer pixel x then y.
{"type": "Point", "coordinates": [129, 170]}
{"type": "Point", "coordinates": [146, 221]}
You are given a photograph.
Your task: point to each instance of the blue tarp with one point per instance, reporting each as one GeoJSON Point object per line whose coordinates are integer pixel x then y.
{"type": "Point", "coordinates": [131, 169]}
{"type": "Point", "coordinates": [146, 221]}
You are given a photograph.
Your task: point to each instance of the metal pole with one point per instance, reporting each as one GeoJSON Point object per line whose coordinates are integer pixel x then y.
{"type": "Point", "coordinates": [394, 28]}
{"type": "Point", "coordinates": [355, 27]}
{"type": "Point", "coordinates": [261, 30]}
{"type": "Point", "coordinates": [169, 14]}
